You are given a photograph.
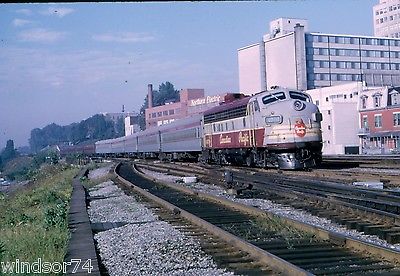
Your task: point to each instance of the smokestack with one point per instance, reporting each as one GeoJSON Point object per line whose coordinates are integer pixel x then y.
{"type": "Point", "coordinates": [150, 95]}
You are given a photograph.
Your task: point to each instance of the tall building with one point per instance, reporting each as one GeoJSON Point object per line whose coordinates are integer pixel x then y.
{"type": "Point", "coordinates": [305, 60]}
{"type": "Point", "coordinates": [387, 18]}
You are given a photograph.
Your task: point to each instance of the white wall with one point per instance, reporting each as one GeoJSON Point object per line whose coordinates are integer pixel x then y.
{"type": "Point", "coordinates": [281, 62]}
{"type": "Point", "coordinates": [340, 123]}
{"type": "Point", "coordinates": [250, 81]}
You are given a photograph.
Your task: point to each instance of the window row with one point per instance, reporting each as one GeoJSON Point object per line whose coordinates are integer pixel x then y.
{"type": "Point", "coordinates": [390, 8]}
{"type": "Point", "coordinates": [352, 65]}
{"type": "Point", "coordinates": [162, 113]}
{"type": "Point", "coordinates": [387, 18]}
{"type": "Point", "coordinates": [334, 77]}
{"type": "Point", "coordinates": [378, 120]}
{"type": "Point", "coordinates": [351, 40]}
{"type": "Point", "coordinates": [351, 52]}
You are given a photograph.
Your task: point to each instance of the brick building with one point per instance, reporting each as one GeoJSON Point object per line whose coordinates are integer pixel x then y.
{"type": "Point", "coordinates": [192, 101]}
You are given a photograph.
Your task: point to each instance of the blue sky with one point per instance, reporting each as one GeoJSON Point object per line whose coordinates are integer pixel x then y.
{"type": "Point", "coordinates": [63, 63]}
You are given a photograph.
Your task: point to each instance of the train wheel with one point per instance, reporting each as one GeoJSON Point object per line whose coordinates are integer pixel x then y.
{"type": "Point", "coordinates": [250, 160]}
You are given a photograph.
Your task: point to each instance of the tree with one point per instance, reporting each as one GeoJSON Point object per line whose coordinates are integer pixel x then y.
{"type": "Point", "coordinates": [93, 128]}
{"type": "Point", "coordinates": [9, 152]}
{"type": "Point", "coordinates": [120, 127]}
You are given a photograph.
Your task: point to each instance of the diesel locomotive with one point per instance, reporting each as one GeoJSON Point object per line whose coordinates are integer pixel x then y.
{"type": "Point", "coordinates": [278, 128]}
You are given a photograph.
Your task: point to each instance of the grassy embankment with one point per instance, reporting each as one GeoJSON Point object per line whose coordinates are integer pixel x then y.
{"type": "Point", "coordinates": [33, 222]}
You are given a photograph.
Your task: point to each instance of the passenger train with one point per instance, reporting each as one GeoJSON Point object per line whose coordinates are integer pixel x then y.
{"type": "Point", "coordinates": [278, 128]}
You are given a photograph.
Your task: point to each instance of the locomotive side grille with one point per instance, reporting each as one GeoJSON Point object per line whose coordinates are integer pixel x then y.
{"type": "Point", "coordinates": [226, 114]}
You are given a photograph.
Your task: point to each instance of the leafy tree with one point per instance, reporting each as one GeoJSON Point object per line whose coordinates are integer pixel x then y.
{"type": "Point", "coordinates": [120, 127]}
{"type": "Point", "coordinates": [9, 152]}
{"type": "Point", "coordinates": [94, 128]}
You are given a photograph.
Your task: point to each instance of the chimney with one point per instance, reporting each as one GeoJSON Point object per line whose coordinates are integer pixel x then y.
{"type": "Point", "coordinates": [150, 95]}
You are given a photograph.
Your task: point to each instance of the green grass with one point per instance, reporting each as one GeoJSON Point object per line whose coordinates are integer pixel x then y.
{"type": "Point", "coordinates": [34, 222]}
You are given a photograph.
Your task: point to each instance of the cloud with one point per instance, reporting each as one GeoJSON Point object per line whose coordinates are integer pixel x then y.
{"type": "Point", "coordinates": [17, 22]}
{"type": "Point", "coordinates": [41, 35]}
{"type": "Point", "coordinates": [125, 37]}
{"type": "Point", "coordinates": [60, 12]}
{"type": "Point", "coordinates": [24, 11]}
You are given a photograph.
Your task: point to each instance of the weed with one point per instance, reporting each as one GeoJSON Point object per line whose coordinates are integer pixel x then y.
{"type": "Point", "coordinates": [33, 222]}
{"type": "Point", "coordinates": [55, 215]}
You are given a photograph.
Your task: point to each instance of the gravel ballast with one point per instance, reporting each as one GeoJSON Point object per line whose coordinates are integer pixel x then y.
{"type": "Point", "coordinates": [146, 245]}
{"type": "Point", "coordinates": [277, 209]}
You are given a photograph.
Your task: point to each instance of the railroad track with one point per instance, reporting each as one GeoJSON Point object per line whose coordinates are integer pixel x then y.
{"type": "Point", "coordinates": [371, 212]}
{"type": "Point", "coordinates": [320, 255]}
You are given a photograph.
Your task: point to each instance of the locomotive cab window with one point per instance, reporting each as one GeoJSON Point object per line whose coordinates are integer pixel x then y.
{"type": "Point", "coordinates": [273, 97]}
{"type": "Point", "coordinates": [299, 96]}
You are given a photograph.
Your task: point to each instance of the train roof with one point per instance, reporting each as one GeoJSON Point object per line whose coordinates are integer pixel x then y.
{"type": "Point", "coordinates": [228, 106]}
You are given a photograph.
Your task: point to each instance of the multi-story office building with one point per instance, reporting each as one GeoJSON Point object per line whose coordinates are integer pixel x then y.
{"type": "Point", "coordinates": [306, 60]}
{"type": "Point", "coordinates": [387, 18]}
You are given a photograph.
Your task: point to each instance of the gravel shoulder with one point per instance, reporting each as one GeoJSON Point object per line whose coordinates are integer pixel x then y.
{"type": "Point", "coordinates": [145, 245]}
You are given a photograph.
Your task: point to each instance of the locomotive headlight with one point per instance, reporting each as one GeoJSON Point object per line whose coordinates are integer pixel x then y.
{"type": "Point", "coordinates": [317, 117]}
{"type": "Point", "coordinates": [298, 105]}
{"type": "Point", "coordinates": [273, 119]}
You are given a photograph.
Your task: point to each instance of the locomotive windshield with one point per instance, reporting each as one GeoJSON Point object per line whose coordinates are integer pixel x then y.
{"type": "Point", "coordinates": [273, 97]}
{"type": "Point", "coordinates": [299, 96]}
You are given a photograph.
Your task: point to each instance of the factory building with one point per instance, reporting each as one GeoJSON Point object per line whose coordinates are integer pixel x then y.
{"type": "Point", "coordinates": [290, 56]}
{"type": "Point", "coordinates": [191, 102]}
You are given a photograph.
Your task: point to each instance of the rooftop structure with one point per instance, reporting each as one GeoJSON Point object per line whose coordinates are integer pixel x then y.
{"type": "Point", "coordinates": [308, 60]}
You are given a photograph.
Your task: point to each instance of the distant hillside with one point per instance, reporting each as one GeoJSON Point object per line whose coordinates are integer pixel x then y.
{"type": "Point", "coordinates": [94, 128]}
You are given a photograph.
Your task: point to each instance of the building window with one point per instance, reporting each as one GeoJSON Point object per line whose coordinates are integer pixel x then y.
{"type": "Point", "coordinates": [329, 112]}
{"type": "Point", "coordinates": [396, 119]}
{"type": "Point", "coordinates": [364, 102]}
{"type": "Point", "coordinates": [329, 127]}
{"type": "Point", "coordinates": [159, 114]}
{"type": "Point", "coordinates": [171, 112]}
{"type": "Point", "coordinates": [327, 99]}
{"type": "Point", "coordinates": [153, 115]}
{"type": "Point", "coordinates": [377, 100]}
{"type": "Point", "coordinates": [364, 123]}
{"type": "Point", "coordinates": [317, 102]}
{"type": "Point", "coordinates": [395, 97]}
{"type": "Point", "coordinates": [378, 120]}
{"type": "Point", "coordinates": [165, 113]}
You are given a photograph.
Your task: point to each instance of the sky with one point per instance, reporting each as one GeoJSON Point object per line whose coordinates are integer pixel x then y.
{"type": "Point", "coordinates": [64, 62]}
